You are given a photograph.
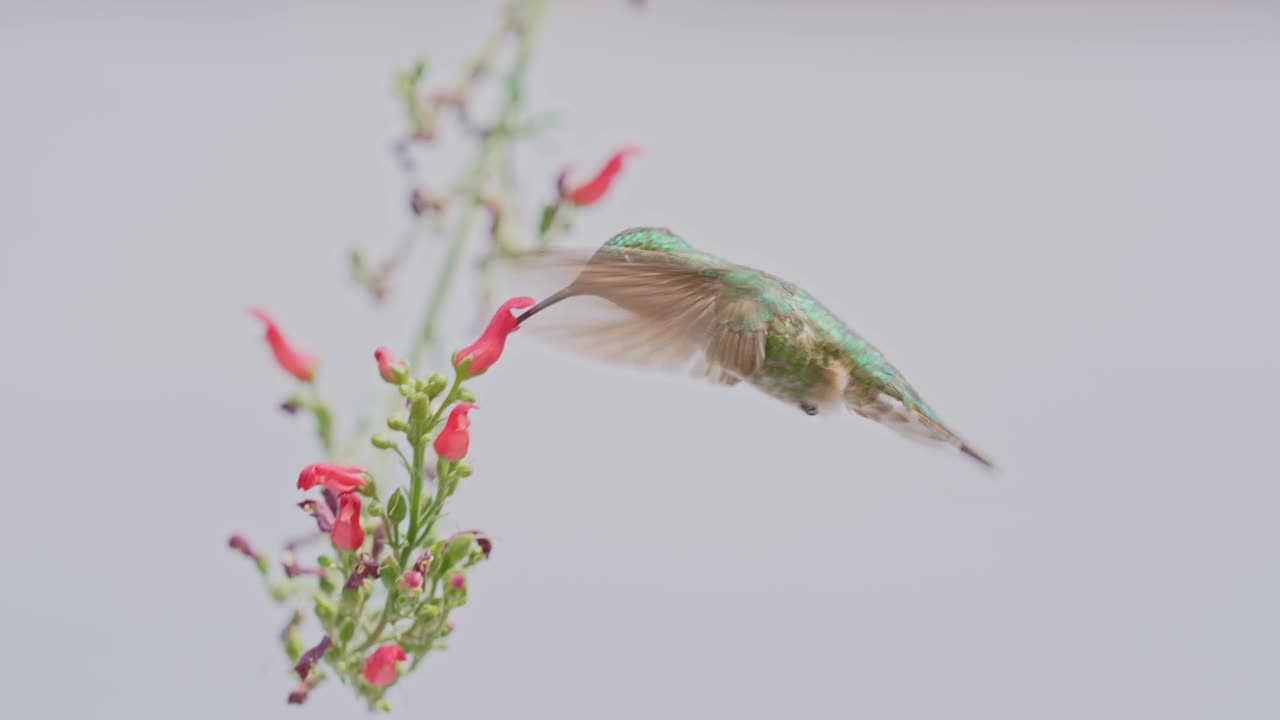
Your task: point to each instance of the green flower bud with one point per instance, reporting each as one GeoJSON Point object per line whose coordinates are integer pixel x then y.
{"type": "Point", "coordinates": [406, 390]}
{"type": "Point", "coordinates": [389, 572]}
{"type": "Point", "coordinates": [421, 408]}
{"type": "Point", "coordinates": [382, 441]}
{"type": "Point", "coordinates": [398, 422]}
{"type": "Point", "coordinates": [436, 384]}
{"type": "Point", "coordinates": [324, 561]}
{"type": "Point", "coordinates": [281, 591]}
{"type": "Point", "coordinates": [325, 612]}
{"type": "Point", "coordinates": [264, 565]}
{"type": "Point", "coordinates": [293, 646]}
{"type": "Point", "coordinates": [383, 706]}
{"type": "Point", "coordinates": [458, 549]}
{"type": "Point", "coordinates": [463, 470]}
{"type": "Point", "coordinates": [374, 509]}
{"type": "Point", "coordinates": [327, 585]}
{"type": "Point", "coordinates": [347, 631]}
{"type": "Point", "coordinates": [466, 395]}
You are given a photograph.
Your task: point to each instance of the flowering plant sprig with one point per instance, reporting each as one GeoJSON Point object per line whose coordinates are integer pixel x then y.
{"type": "Point", "coordinates": [384, 592]}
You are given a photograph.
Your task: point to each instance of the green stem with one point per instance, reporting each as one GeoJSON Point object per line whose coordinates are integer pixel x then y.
{"type": "Point", "coordinates": [376, 633]}
{"type": "Point", "coordinates": [473, 184]}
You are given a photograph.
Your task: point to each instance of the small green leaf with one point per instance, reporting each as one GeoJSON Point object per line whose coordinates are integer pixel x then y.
{"type": "Point", "coordinates": [548, 217]}
{"type": "Point", "coordinates": [397, 506]}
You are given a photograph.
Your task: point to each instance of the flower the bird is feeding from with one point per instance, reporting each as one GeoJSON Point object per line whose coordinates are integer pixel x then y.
{"type": "Point", "coordinates": [295, 362]}
{"type": "Point", "coordinates": [486, 350]}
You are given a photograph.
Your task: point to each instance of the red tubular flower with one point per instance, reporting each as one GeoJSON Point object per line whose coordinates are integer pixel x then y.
{"type": "Point", "coordinates": [596, 187]}
{"type": "Point", "coordinates": [453, 440]}
{"type": "Point", "coordinates": [347, 533]}
{"type": "Point", "coordinates": [390, 367]}
{"type": "Point", "coordinates": [298, 364]}
{"type": "Point", "coordinates": [483, 353]}
{"type": "Point", "coordinates": [380, 669]}
{"type": "Point", "coordinates": [338, 478]}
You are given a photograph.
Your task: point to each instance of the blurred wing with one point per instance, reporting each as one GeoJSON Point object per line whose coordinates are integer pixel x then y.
{"type": "Point", "coordinates": [655, 310]}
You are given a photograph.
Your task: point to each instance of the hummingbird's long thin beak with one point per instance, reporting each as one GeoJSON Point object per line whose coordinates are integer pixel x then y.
{"type": "Point", "coordinates": [552, 300]}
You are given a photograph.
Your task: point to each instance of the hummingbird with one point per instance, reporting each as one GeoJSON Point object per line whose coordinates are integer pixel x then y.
{"type": "Point", "coordinates": [669, 305]}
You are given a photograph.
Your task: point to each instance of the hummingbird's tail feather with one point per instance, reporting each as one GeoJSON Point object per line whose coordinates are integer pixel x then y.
{"type": "Point", "coordinates": [899, 409]}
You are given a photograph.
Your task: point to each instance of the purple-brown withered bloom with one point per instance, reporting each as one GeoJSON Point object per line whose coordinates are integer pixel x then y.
{"type": "Point", "coordinates": [321, 512]}
{"type": "Point", "coordinates": [311, 657]}
{"type": "Point", "coordinates": [481, 537]}
{"type": "Point", "coordinates": [240, 544]}
{"type": "Point", "coordinates": [365, 569]}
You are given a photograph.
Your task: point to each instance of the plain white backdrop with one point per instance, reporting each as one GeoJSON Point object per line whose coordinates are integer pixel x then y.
{"type": "Point", "coordinates": [1059, 222]}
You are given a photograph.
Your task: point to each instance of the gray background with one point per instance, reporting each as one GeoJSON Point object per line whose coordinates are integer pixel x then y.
{"type": "Point", "coordinates": [1061, 223]}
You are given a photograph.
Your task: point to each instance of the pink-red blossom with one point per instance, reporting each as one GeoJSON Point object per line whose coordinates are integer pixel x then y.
{"type": "Point", "coordinates": [455, 438]}
{"type": "Point", "coordinates": [392, 368]}
{"type": "Point", "coordinates": [485, 351]}
{"type": "Point", "coordinates": [457, 581]}
{"type": "Point", "coordinates": [595, 188]}
{"type": "Point", "coordinates": [338, 478]}
{"type": "Point", "coordinates": [347, 534]}
{"type": "Point", "coordinates": [295, 362]}
{"type": "Point", "coordinates": [381, 668]}
{"type": "Point", "coordinates": [411, 580]}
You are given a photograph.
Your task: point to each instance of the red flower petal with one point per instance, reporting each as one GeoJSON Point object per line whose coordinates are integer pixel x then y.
{"type": "Point", "coordinates": [347, 533]}
{"type": "Point", "coordinates": [337, 478]}
{"type": "Point", "coordinates": [455, 438]}
{"type": "Point", "coordinates": [380, 668]}
{"type": "Point", "coordinates": [485, 351]}
{"type": "Point", "coordinates": [595, 188]}
{"type": "Point", "coordinates": [295, 362]}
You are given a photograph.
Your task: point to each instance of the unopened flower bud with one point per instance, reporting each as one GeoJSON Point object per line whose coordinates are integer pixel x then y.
{"type": "Point", "coordinates": [463, 470]}
{"type": "Point", "coordinates": [325, 611]}
{"type": "Point", "coordinates": [411, 580]}
{"type": "Point", "coordinates": [458, 582]}
{"type": "Point", "coordinates": [382, 441]}
{"type": "Point", "coordinates": [391, 368]}
{"type": "Point", "coordinates": [435, 384]}
{"type": "Point", "coordinates": [398, 422]}
{"type": "Point", "coordinates": [465, 395]}
{"type": "Point", "coordinates": [421, 409]}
